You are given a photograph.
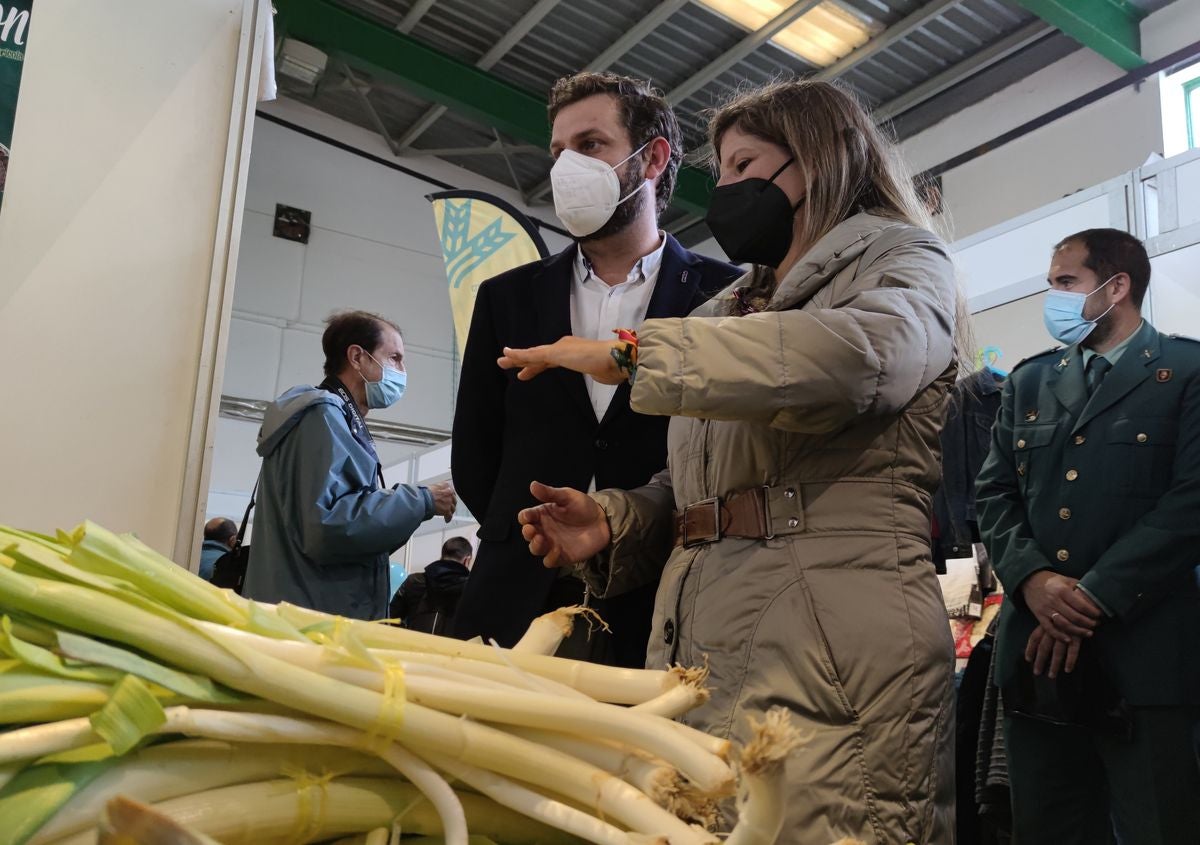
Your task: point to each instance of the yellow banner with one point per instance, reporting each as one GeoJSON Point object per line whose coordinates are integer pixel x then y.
{"type": "Point", "coordinates": [482, 236]}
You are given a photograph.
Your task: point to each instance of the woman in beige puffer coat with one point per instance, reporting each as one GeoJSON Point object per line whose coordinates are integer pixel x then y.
{"type": "Point", "coordinates": [806, 414]}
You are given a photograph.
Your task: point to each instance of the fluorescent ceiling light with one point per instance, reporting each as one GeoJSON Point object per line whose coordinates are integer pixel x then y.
{"type": "Point", "coordinates": [302, 62]}
{"type": "Point", "coordinates": [821, 36]}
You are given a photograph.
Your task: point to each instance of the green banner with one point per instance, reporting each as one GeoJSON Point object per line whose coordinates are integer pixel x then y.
{"type": "Point", "coordinates": [14, 32]}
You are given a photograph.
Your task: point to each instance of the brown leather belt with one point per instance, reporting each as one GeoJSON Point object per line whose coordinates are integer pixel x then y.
{"type": "Point", "coordinates": [746, 515]}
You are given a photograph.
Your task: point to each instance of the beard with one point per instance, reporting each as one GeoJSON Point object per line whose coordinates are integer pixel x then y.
{"type": "Point", "coordinates": [625, 213]}
{"type": "Point", "coordinates": [1102, 332]}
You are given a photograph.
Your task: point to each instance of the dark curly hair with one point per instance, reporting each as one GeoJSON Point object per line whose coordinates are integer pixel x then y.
{"type": "Point", "coordinates": [1112, 251]}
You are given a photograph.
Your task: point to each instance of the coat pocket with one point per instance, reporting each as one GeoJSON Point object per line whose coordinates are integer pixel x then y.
{"type": "Point", "coordinates": [1031, 455]}
{"type": "Point", "coordinates": [1143, 452]}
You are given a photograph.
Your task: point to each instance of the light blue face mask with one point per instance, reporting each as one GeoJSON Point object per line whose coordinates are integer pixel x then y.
{"type": "Point", "coordinates": [388, 390]}
{"type": "Point", "coordinates": [1063, 315]}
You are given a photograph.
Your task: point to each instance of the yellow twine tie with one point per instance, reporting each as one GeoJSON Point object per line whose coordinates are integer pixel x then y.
{"type": "Point", "coordinates": [390, 718]}
{"type": "Point", "coordinates": [312, 797]}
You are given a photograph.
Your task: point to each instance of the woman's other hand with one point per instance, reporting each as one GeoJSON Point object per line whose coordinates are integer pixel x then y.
{"type": "Point", "coordinates": [568, 527]}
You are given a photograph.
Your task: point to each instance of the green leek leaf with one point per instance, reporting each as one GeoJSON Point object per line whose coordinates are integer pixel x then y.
{"type": "Point", "coordinates": [132, 712]}
{"type": "Point", "coordinates": [194, 687]}
{"type": "Point", "coordinates": [35, 794]}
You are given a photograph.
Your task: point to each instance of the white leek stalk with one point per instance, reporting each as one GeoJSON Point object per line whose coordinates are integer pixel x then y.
{"type": "Point", "coordinates": [688, 694]}
{"type": "Point", "coordinates": [762, 806]}
{"type": "Point", "coordinates": [124, 821]}
{"type": "Point", "coordinates": [529, 803]}
{"type": "Point", "coordinates": [515, 707]}
{"type": "Point", "coordinates": [546, 633]}
{"type": "Point", "coordinates": [603, 683]}
{"type": "Point", "coordinates": [256, 813]}
{"type": "Point", "coordinates": [161, 772]}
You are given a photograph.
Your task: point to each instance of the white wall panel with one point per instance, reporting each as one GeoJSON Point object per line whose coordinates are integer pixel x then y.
{"type": "Point", "coordinates": [429, 399]}
{"type": "Point", "coordinates": [343, 271]}
{"type": "Point", "coordinates": [252, 361]}
{"type": "Point", "coordinates": [1175, 292]}
{"type": "Point", "coordinates": [1096, 143]}
{"type": "Point", "coordinates": [235, 462]}
{"type": "Point", "coordinates": [1188, 193]}
{"type": "Point", "coordinates": [993, 263]}
{"type": "Point", "coordinates": [434, 463]}
{"type": "Point", "coordinates": [301, 360]}
{"type": "Point", "coordinates": [107, 247]}
{"type": "Point", "coordinates": [269, 270]}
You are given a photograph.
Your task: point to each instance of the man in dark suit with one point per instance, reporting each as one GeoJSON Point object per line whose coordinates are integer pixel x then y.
{"type": "Point", "coordinates": [1089, 504]}
{"type": "Point", "coordinates": [617, 147]}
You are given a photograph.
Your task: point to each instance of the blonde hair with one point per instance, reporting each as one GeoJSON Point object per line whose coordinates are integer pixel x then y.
{"type": "Point", "coordinates": [847, 164]}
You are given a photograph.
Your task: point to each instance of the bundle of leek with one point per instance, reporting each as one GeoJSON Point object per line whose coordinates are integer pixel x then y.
{"type": "Point", "coordinates": [121, 674]}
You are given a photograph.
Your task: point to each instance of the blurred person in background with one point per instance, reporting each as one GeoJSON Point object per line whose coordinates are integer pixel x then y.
{"type": "Point", "coordinates": [427, 600]}
{"type": "Point", "coordinates": [220, 537]}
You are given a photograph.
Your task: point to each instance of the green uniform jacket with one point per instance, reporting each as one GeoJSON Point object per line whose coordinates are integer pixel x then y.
{"type": "Point", "coordinates": [1105, 490]}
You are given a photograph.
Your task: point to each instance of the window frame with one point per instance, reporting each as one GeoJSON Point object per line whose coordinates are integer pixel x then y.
{"type": "Point", "coordinates": [1189, 116]}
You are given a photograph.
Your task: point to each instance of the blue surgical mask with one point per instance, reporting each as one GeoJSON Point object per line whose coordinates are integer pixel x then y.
{"type": "Point", "coordinates": [388, 390]}
{"type": "Point", "coordinates": [1063, 315]}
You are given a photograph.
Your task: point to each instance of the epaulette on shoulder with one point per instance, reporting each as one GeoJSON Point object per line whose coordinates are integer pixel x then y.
{"type": "Point", "coordinates": [1051, 351]}
{"type": "Point", "coordinates": [1183, 337]}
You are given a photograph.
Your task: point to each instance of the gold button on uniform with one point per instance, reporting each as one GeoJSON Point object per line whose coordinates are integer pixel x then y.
{"type": "Point", "coordinates": [1064, 555]}
{"type": "Point", "coordinates": [1021, 469]}
{"type": "Point", "coordinates": [1020, 444]}
{"type": "Point", "coordinates": [1142, 438]}
{"type": "Point", "coordinates": [1080, 439]}
{"type": "Point", "coordinates": [1064, 513]}
{"type": "Point", "coordinates": [1072, 474]}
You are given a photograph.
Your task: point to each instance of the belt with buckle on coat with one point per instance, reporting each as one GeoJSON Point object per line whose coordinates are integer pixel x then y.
{"type": "Point", "coordinates": [747, 514]}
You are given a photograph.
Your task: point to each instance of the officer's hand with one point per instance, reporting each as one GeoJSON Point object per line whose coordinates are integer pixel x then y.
{"type": "Point", "coordinates": [1049, 654]}
{"type": "Point", "coordinates": [1062, 610]}
{"type": "Point", "coordinates": [444, 500]}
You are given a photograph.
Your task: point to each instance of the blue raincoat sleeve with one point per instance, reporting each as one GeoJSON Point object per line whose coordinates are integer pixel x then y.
{"type": "Point", "coordinates": [345, 518]}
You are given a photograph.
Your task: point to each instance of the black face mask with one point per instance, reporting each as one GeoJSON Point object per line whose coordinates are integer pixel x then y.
{"type": "Point", "coordinates": [752, 220]}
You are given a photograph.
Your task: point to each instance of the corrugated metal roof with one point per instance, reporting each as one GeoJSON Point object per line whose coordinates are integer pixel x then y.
{"type": "Point", "coordinates": [575, 32]}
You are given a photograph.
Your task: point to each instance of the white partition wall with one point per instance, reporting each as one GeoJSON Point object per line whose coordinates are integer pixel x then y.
{"type": "Point", "coordinates": [1004, 267]}
{"type": "Point", "coordinates": [119, 227]}
{"type": "Point", "coordinates": [1170, 197]}
{"type": "Point", "coordinates": [1009, 261]}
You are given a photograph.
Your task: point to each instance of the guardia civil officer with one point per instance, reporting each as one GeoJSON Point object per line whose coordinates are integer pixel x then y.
{"type": "Point", "coordinates": [1089, 504]}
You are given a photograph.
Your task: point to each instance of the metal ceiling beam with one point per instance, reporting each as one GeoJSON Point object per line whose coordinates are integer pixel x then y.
{"type": "Point", "coordinates": [409, 22]}
{"type": "Point", "coordinates": [361, 89]}
{"type": "Point", "coordinates": [1111, 28]}
{"type": "Point", "coordinates": [743, 49]}
{"type": "Point", "coordinates": [894, 33]}
{"type": "Point", "coordinates": [439, 78]}
{"type": "Point", "coordinates": [518, 31]}
{"type": "Point", "coordinates": [253, 410]}
{"type": "Point", "coordinates": [508, 162]}
{"type": "Point", "coordinates": [955, 74]}
{"type": "Point", "coordinates": [632, 37]}
{"type": "Point", "coordinates": [492, 150]}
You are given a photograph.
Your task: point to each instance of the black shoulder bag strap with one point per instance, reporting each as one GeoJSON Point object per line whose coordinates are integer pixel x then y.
{"type": "Point", "coordinates": [246, 516]}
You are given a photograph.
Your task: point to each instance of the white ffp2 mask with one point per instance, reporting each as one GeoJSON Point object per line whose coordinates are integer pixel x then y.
{"type": "Point", "coordinates": [587, 190]}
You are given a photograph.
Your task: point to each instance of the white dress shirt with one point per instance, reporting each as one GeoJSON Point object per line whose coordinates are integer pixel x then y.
{"type": "Point", "coordinates": [597, 308]}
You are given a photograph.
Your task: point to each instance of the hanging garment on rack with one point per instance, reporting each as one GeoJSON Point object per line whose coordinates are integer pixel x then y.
{"type": "Point", "coordinates": [966, 438]}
